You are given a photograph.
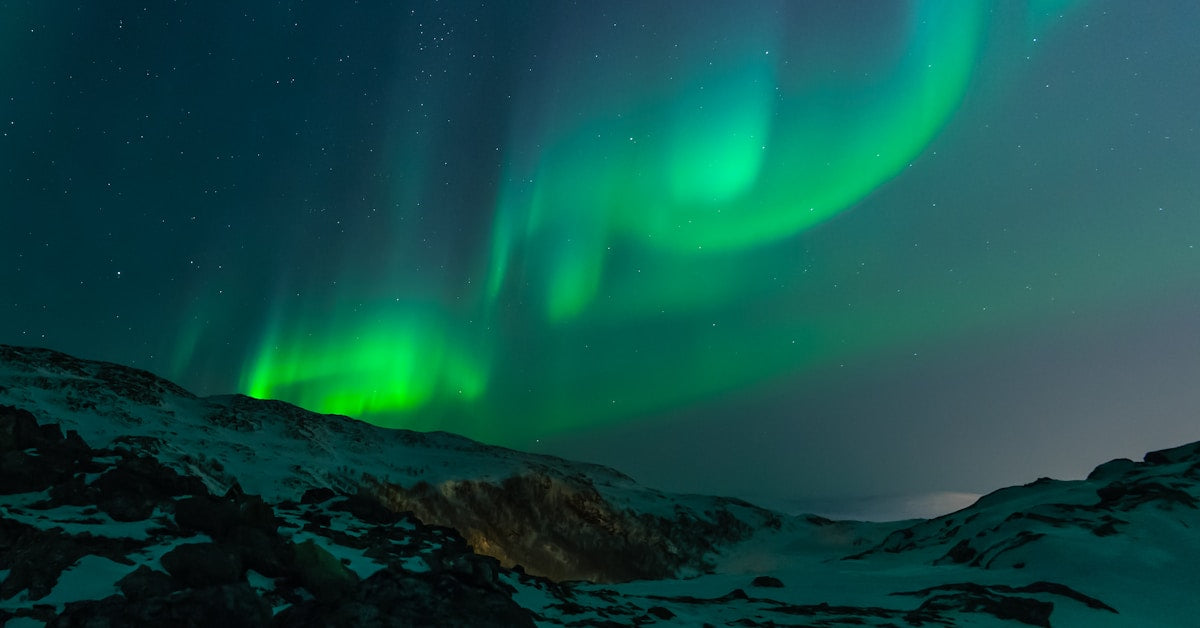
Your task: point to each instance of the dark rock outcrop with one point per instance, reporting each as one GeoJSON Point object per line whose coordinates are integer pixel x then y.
{"type": "Point", "coordinates": [390, 598]}
{"type": "Point", "coordinates": [144, 583]}
{"type": "Point", "coordinates": [1001, 601]}
{"type": "Point", "coordinates": [227, 606]}
{"type": "Point", "coordinates": [563, 529]}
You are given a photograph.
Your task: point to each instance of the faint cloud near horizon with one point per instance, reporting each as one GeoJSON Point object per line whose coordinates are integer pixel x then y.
{"type": "Point", "coordinates": [882, 508]}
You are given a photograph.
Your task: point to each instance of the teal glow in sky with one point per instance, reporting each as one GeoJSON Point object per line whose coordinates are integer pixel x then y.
{"type": "Point", "coordinates": [618, 179]}
{"type": "Point", "coordinates": [806, 234]}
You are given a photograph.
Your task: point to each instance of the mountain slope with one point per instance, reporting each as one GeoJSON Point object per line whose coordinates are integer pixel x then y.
{"type": "Point", "coordinates": [590, 522]}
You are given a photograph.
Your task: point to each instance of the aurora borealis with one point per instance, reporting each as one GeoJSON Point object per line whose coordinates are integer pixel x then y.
{"type": "Point", "coordinates": [713, 243]}
{"type": "Point", "coordinates": [689, 169]}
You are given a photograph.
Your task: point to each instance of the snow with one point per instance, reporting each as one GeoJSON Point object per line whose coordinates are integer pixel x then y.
{"type": "Point", "coordinates": [527, 595]}
{"type": "Point", "coordinates": [90, 578]}
{"type": "Point", "coordinates": [259, 581]}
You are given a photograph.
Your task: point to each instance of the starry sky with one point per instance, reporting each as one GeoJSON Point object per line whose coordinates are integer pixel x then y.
{"type": "Point", "coordinates": [791, 251]}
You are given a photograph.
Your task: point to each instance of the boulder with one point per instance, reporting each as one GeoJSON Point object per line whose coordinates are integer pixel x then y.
{"type": "Point", "coordinates": [203, 565]}
{"type": "Point", "coordinates": [18, 429]}
{"type": "Point", "coordinates": [321, 573]}
{"type": "Point", "coordinates": [262, 551]}
{"type": "Point", "coordinates": [219, 516]}
{"type": "Point", "coordinates": [205, 513]}
{"type": "Point", "coordinates": [144, 583]}
{"type": "Point", "coordinates": [767, 581]}
{"type": "Point", "coordinates": [317, 495]}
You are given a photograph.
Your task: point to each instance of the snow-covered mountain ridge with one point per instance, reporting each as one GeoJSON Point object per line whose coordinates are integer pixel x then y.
{"type": "Point", "coordinates": [125, 498]}
{"type": "Point", "coordinates": [562, 519]}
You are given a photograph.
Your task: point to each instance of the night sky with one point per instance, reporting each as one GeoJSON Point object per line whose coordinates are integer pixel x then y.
{"type": "Point", "coordinates": [791, 251]}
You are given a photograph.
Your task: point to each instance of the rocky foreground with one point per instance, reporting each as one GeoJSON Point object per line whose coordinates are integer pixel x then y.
{"type": "Point", "coordinates": [197, 559]}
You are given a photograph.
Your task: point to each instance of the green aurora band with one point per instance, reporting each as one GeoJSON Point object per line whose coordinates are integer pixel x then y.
{"type": "Point", "coordinates": [643, 213]}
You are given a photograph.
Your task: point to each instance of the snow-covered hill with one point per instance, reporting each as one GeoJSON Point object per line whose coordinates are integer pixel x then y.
{"type": "Point", "coordinates": [557, 518]}
{"type": "Point", "coordinates": [125, 497]}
